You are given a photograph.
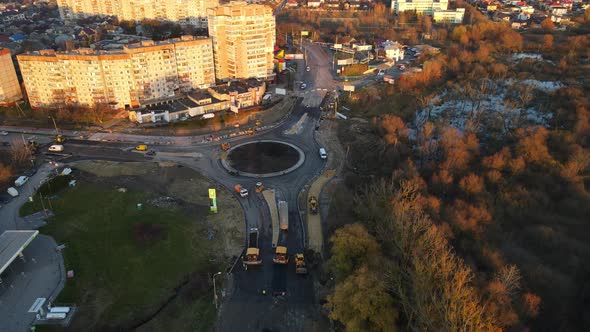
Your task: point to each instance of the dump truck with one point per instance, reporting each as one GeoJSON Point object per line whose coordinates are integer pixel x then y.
{"type": "Point", "coordinates": [313, 205]}
{"type": "Point", "coordinates": [281, 256]}
{"type": "Point", "coordinates": [300, 267]}
{"type": "Point", "coordinates": [225, 146]}
{"type": "Point", "coordinates": [283, 216]}
{"type": "Point", "coordinates": [242, 191]}
{"type": "Point", "coordinates": [252, 256]}
{"type": "Point", "coordinates": [259, 187]}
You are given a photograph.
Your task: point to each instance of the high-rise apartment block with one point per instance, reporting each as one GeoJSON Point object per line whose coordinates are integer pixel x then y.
{"type": "Point", "coordinates": [193, 12]}
{"type": "Point", "coordinates": [426, 7]}
{"type": "Point", "coordinates": [140, 72]}
{"type": "Point", "coordinates": [9, 87]}
{"type": "Point", "coordinates": [243, 39]}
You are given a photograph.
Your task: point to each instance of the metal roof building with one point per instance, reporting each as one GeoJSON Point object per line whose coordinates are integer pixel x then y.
{"type": "Point", "coordinates": [12, 243]}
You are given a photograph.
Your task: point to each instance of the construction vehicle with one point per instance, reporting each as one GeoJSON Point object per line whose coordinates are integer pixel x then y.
{"type": "Point", "coordinates": [281, 256]}
{"type": "Point", "coordinates": [300, 267]}
{"type": "Point", "coordinates": [59, 139]}
{"type": "Point", "coordinates": [283, 216]}
{"type": "Point", "coordinates": [252, 256]}
{"type": "Point", "coordinates": [259, 187]}
{"type": "Point", "coordinates": [242, 191]}
{"type": "Point", "coordinates": [141, 147]}
{"type": "Point", "coordinates": [313, 205]}
{"type": "Point", "coordinates": [225, 146]}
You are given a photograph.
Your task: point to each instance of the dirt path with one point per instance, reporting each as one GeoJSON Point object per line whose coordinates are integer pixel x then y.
{"type": "Point", "coordinates": [327, 137]}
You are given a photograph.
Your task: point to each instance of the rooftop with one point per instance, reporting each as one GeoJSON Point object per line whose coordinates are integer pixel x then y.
{"type": "Point", "coordinates": [12, 243]}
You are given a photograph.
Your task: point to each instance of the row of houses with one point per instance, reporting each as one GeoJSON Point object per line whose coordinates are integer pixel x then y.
{"type": "Point", "coordinates": [233, 95]}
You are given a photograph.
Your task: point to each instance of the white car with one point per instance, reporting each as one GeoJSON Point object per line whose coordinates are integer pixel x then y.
{"type": "Point", "coordinates": [56, 148]}
{"type": "Point", "coordinates": [303, 86]}
{"type": "Point", "coordinates": [3, 133]}
{"type": "Point", "coordinates": [323, 153]}
{"type": "Point", "coordinates": [307, 68]}
{"type": "Point", "coordinates": [21, 180]}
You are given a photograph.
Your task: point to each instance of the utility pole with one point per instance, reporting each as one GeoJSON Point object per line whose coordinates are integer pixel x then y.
{"type": "Point", "coordinates": [54, 125]}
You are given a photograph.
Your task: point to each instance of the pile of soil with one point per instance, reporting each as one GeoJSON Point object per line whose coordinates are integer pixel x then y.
{"type": "Point", "coordinates": [263, 157]}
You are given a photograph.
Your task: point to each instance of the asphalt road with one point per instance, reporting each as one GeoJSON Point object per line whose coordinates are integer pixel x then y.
{"type": "Point", "coordinates": [245, 307]}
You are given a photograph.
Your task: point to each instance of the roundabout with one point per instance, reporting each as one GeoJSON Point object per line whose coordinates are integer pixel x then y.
{"type": "Point", "coordinates": [263, 158]}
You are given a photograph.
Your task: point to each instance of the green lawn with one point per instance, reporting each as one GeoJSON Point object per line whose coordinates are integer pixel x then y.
{"type": "Point", "coordinates": [123, 272]}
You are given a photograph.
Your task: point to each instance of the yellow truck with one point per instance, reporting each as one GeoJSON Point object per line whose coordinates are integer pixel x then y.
{"type": "Point", "coordinates": [281, 256]}
{"type": "Point", "coordinates": [313, 205]}
{"type": "Point", "coordinates": [252, 256]}
{"type": "Point", "coordinates": [300, 267]}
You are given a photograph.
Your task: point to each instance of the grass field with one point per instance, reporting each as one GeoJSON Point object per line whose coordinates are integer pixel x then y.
{"type": "Point", "coordinates": [129, 262]}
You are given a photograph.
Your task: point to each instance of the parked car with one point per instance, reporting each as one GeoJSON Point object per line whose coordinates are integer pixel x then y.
{"type": "Point", "coordinates": [303, 86]}
{"type": "Point", "coordinates": [307, 68]}
{"type": "Point", "coordinates": [3, 133]}
{"type": "Point", "coordinates": [323, 153]}
{"type": "Point", "coordinates": [21, 180]}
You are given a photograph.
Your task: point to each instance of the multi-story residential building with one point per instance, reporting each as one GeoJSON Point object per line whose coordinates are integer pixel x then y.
{"type": "Point", "coordinates": [426, 7]}
{"type": "Point", "coordinates": [243, 39]}
{"type": "Point", "coordinates": [139, 73]}
{"type": "Point", "coordinates": [9, 88]}
{"type": "Point", "coordinates": [193, 12]}
{"type": "Point", "coordinates": [454, 16]}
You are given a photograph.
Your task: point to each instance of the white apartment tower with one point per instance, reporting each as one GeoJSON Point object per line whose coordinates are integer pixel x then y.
{"type": "Point", "coordinates": [243, 39]}
{"type": "Point", "coordinates": [9, 88]}
{"type": "Point", "coordinates": [425, 7]}
{"type": "Point", "coordinates": [139, 73]}
{"type": "Point", "coordinates": [193, 12]}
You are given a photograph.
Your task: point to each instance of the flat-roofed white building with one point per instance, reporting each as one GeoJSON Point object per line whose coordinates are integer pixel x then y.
{"type": "Point", "coordinates": [243, 40]}
{"type": "Point", "coordinates": [193, 12]}
{"type": "Point", "coordinates": [10, 90]}
{"type": "Point", "coordinates": [139, 73]}
{"type": "Point", "coordinates": [426, 7]}
{"type": "Point", "coordinates": [454, 16]}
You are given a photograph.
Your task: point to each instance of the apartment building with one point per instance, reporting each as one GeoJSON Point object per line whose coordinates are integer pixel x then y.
{"type": "Point", "coordinates": [9, 87]}
{"type": "Point", "coordinates": [192, 12]}
{"type": "Point", "coordinates": [139, 73]}
{"type": "Point", "coordinates": [243, 39]}
{"type": "Point", "coordinates": [425, 7]}
{"type": "Point", "coordinates": [454, 16]}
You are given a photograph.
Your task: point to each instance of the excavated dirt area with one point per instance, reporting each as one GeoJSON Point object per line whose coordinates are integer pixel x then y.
{"type": "Point", "coordinates": [263, 157]}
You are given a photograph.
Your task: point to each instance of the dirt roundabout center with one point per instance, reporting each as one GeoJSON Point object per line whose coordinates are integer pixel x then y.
{"type": "Point", "coordinates": [263, 158]}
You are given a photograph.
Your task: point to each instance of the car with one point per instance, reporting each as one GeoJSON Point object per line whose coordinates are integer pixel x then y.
{"type": "Point", "coordinates": [323, 153]}
{"type": "Point", "coordinates": [303, 86]}
{"type": "Point", "coordinates": [3, 133]}
{"type": "Point", "coordinates": [307, 68]}
{"type": "Point", "coordinates": [151, 153]}
{"type": "Point", "coordinates": [56, 148]}
{"type": "Point", "coordinates": [381, 72]}
{"type": "Point", "coordinates": [141, 147]}
{"type": "Point", "coordinates": [21, 180]}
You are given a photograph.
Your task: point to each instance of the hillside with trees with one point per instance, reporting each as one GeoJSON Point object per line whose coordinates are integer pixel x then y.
{"type": "Point", "coordinates": [470, 222]}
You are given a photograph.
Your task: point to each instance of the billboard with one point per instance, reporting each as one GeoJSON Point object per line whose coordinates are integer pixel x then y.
{"type": "Point", "coordinates": [348, 88]}
{"type": "Point", "coordinates": [337, 46]}
{"type": "Point", "coordinates": [213, 201]}
{"type": "Point", "coordinates": [304, 33]}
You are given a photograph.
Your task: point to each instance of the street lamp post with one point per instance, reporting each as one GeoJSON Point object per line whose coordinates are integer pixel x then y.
{"type": "Point", "coordinates": [214, 290]}
{"type": "Point", "coordinates": [54, 125]}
